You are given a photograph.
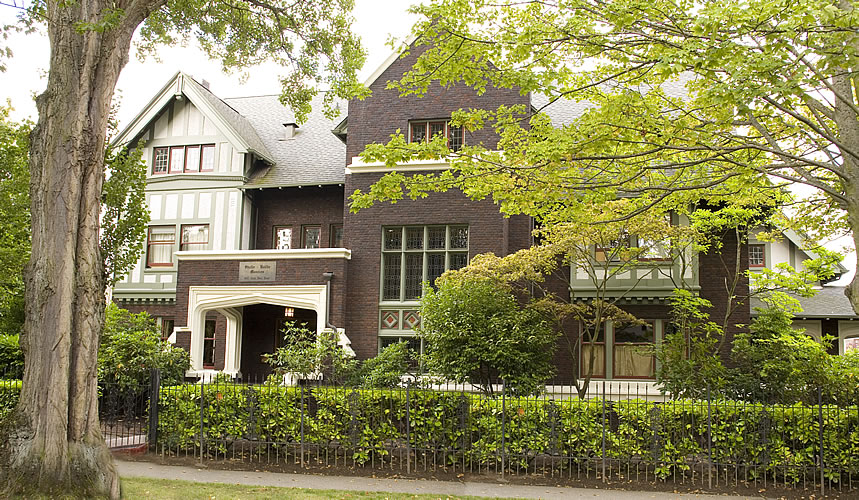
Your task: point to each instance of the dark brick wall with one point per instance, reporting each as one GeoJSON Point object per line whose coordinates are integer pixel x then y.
{"type": "Point", "coordinates": [489, 231]}
{"type": "Point", "coordinates": [294, 207]}
{"type": "Point", "coordinates": [716, 269]}
{"type": "Point", "coordinates": [374, 119]}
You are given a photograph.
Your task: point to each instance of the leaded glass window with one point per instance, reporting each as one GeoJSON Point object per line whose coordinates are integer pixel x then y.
{"type": "Point", "coordinates": [412, 255]}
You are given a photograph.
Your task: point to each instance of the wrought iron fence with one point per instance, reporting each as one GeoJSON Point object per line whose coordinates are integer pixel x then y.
{"type": "Point", "coordinates": [626, 432]}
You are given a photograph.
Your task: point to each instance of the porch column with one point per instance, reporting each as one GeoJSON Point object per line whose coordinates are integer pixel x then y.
{"type": "Point", "coordinates": [233, 349]}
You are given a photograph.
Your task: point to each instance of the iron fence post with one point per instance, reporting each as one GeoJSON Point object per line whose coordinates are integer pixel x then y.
{"type": "Point", "coordinates": [603, 431]}
{"type": "Point", "coordinates": [709, 440]}
{"type": "Point", "coordinates": [202, 409]}
{"type": "Point", "coordinates": [154, 394]}
{"type": "Point", "coordinates": [301, 387]}
{"type": "Point", "coordinates": [503, 427]}
{"type": "Point", "coordinates": [408, 430]}
{"type": "Point", "coordinates": [820, 429]}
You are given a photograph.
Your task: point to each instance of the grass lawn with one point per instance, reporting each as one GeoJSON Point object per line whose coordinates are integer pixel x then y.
{"type": "Point", "coordinates": [134, 488]}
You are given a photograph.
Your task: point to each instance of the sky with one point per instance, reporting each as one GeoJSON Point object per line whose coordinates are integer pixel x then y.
{"type": "Point", "coordinates": [376, 21]}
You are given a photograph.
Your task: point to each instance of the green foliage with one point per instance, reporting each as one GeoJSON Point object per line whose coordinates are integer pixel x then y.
{"type": "Point", "coordinates": [308, 355]}
{"type": "Point", "coordinates": [465, 428]}
{"type": "Point", "coordinates": [690, 365]}
{"type": "Point", "coordinates": [131, 347]}
{"type": "Point", "coordinates": [387, 369]}
{"type": "Point", "coordinates": [10, 391]}
{"type": "Point", "coordinates": [11, 357]}
{"type": "Point", "coordinates": [775, 363]}
{"type": "Point", "coordinates": [476, 331]}
{"type": "Point", "coordinates": [125, 215]}
{"type": "Point", "coordinates": [14, 219]}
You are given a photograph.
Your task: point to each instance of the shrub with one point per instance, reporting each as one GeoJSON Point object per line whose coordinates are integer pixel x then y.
{"type": "Point", "coordinates": [307, 355]}
{"type": "Point", "coordinates": [463, 428]}
{"type": "Point", "coordinates": [476, 331]}
{"type": "Point", "coordinates": [387, 369]}
{"type": "Point", "coordinates": [11, 357]}
{"type": "Point", "coordinates": [10, 391]}
{"type": "Point", "coordinates": [131, 347]}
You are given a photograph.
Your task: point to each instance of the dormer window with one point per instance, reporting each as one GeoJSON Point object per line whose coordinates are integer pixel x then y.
{"type": "Point", "coordinates": [425, 130]}
{"type": "Point", "coordinates": [184, 159]}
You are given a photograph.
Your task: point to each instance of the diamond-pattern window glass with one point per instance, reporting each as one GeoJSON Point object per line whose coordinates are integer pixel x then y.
{"type": "Point", "coordinates": [393, 238]}
{"type": "Point", "coordinates": [458, 237]}
{"type": "Point", "coordinates": [435, 267]}
{"type": "Point", "coordinates": [414, 275]}
{"type": "Point", "coordinates": [411, 320]}
{"type": "Point", "coordinates": [435, 241]}
{"type": "Point", "coordinates": [414, 238]}
{"type": "Point", "coordinates": [392, 276]}
{"type": "Point", "coordinates": [391, 320]}
{"type": "Point", "coordinates": [458, 260]}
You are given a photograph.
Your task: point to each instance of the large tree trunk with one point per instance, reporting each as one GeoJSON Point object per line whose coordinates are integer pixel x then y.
{"type": "Point", "coordinates": [56, 445]}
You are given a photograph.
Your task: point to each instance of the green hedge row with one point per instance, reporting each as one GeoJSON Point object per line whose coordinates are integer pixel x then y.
{"type": "Point", "coordinates": [781, 441]}
{"type": "Point", "coordinates": [10, 390]}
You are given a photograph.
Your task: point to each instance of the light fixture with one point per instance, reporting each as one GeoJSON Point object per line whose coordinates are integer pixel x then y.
{"type": "Point", "coordinates": [288, 312]}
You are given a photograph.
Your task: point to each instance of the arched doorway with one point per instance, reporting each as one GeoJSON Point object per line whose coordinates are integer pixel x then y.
{"type": "Point", "coordinates": [262, 333]}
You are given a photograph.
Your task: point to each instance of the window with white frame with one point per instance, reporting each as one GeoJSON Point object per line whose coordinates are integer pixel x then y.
{"type": "Point", "coordinates": [159, 246]}
{"type": "Point", "coordinates": [757, 255]}
{"type": "Point", "coordinates": [195, 237]}
{"type": "Point", "coordinates": [426, 130]}
{"type": "Point", "coordinates": [184, 159]}
{"type": "Point", "coordinates": [414, 254]}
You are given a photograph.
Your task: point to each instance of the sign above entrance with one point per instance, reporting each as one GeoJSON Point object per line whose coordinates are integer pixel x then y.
{"type": "Point", "coordinates": [257, 271]}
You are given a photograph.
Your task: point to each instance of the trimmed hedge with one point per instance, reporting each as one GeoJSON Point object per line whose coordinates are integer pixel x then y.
{"type": "Point", "coordinates": [671, 437]}
{"type": "Point", "coordinates": [10, 391]}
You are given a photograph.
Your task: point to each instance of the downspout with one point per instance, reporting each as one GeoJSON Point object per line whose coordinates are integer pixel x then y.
{"type": "Point", "coordinates": [343, 341]}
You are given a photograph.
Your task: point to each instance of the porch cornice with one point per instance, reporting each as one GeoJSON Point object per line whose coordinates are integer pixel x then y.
{"type": "Point", "coordinates": [297, 253]}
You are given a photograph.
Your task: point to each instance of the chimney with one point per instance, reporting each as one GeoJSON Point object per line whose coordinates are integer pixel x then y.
{"type": "Point", "coordinates": [291, 129]}
{"type": "Point", "coordinates": [205, 83]}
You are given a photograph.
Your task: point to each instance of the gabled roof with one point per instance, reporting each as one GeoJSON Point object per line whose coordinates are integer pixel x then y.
{"type": "Point", "coordinates": [313, 155]}
{"type": "Point", "coordinates": [405, 45]}
{"type": "Point", "coordinates": [239, 132]}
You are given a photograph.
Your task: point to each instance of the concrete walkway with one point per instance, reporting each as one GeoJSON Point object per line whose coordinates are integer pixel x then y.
{"type": "Point", "coordinates": [409, 486]}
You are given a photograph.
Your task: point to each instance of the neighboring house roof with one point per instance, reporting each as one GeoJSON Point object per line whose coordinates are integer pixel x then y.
{"type": "Point", "coordinates": [233, 125]}
{"type": "Point", "coordinates": [829, 302]}
{"type": "Point", "coordinates": [313, 155]}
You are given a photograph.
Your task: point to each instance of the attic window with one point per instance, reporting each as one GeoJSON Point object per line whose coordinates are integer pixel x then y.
{"type": "Point", "coordinates": [184, 159]}
{"type": "Point", "coordinates": [425, 130]}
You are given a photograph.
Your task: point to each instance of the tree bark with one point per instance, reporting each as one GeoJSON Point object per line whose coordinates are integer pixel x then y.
{"type": "Point", "coordinates": [54, 443]}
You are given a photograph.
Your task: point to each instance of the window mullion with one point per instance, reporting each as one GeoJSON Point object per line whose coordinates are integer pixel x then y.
{"type": "Point", "coordinates": [403, 264]}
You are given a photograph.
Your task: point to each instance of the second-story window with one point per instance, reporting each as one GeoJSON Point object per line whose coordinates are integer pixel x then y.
{"type": "Point", "coordinates": [757, 256]}
{"type": "Point", "coordinates": [414, 254]}
{"type": "Point", "coordinates": [184, 159]}
{"type": "Point", "coordinates": [426, 130]}
{"type": "Point", "coordinates": [159, 246]}
{"type": "Point", "coordinates": [195, 237]}
{"type": "Point", "coordinates": [310, 236]}
{"type": "Point", "coordinates": [282, 238]}
{"type": "Point", "coordinates": [336, 236]}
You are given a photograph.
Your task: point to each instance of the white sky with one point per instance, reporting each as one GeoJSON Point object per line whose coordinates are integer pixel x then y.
{"type": "Point", "coordinates": [375, 22]}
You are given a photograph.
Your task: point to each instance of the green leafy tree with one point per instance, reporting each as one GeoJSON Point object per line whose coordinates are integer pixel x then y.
{"type": "Point", "coordinates": [476, 331]}
{"type": "Point", "coordinates": [56, 445]}
{"type": "Point", "coordinates": [131, 347]}
{"type": "Point", "coordinates": [680, 102]}
{"type": "Point", "coordinates": [14, 220]}
{"type": "Point", "coordinates": [306, 355]}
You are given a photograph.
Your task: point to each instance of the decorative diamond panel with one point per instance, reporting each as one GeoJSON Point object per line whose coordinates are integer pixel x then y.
{"type": "Point", "coordinates": [390, 320]}
{"type": "Point", "coordinates": [411, 320]}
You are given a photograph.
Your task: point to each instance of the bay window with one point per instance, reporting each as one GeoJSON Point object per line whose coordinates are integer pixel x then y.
{"type": "Point", "coordinates": [621, 351]}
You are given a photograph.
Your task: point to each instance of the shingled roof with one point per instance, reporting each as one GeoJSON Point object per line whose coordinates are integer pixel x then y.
{"type": "Point", "coordinates": [314, 155]}
{"type": "Point", "coordinates": [829, 302]}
